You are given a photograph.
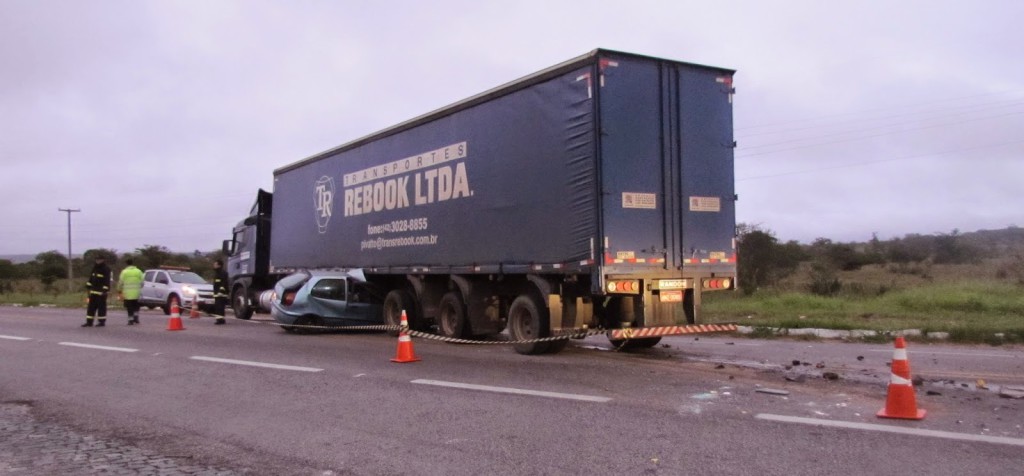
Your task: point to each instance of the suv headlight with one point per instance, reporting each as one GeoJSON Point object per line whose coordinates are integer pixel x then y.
{"type": "Point", "coordinates": [188, 290]}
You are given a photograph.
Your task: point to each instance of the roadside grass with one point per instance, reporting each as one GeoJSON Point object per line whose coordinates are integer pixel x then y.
{"type": "Point", "coordinates": [970, 311]}
{"type": "Point", "coordinates": [30, 293]}
{"type": "Point", "coordinates": [967, 301]}
{"type": "Point", "coordinates": [70, 300]}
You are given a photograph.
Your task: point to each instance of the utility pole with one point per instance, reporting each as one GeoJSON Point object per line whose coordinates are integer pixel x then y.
{"type": "Point", "coordinates": [69, 212]}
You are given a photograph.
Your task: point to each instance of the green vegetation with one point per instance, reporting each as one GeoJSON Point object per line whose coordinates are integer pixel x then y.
{"type": "Point", "coordinates": [969, 312]}
{"type": "Point", "coordinates": [37, 299]}
{"type": "Point", "coordinates": [43, 280]}
{"type": "Point", "coordinates": [970, 286]}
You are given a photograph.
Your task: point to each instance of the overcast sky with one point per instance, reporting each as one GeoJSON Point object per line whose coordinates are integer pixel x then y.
{"type": "Point", "coordinates": [160, 119]}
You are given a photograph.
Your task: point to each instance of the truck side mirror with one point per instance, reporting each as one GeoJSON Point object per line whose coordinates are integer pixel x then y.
{"type": "Point", "coordinates": [228, 247]}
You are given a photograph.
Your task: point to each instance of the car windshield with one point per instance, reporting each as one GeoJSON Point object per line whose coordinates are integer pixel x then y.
{"type": "Point", "coordinates": [186, 277]}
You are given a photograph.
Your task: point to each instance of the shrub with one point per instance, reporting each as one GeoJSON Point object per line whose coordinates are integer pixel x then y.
{"type": "Point", "coordinates": [824, 281]}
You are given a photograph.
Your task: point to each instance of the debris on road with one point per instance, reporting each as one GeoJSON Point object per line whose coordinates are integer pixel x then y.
{"type": "Point", "coordinates": [772, 391]}
{"type": "Point", "coordinates": [1008, 393]}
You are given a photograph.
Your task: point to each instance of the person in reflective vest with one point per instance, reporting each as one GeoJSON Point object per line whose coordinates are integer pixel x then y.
{"type": "Point", "coordinates": [220, 291]}
{"type": "Point", "coordinates": [129, 285]}
{"type": "Point", "coordinates": [98, 287]}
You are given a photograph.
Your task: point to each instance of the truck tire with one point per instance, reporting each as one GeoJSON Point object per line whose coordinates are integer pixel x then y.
{"type": "Point", "coordinates": [528, 319]}
{"type": "Point", "coordinates": [395, 302]}
{"type": "Point", "coordinates": [451, 316]}
{"type": "Point", "coordinates": [634, 344]}
{"type": "Point", "coordinates": [172, 299]}
{"type": "Point", "coordinates": [240, 303]}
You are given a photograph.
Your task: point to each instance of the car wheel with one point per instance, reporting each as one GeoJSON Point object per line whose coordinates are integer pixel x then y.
{"type": "Point", "coordinates": [395, 302]}
{"type": "Point", "coordinates": [452, 316]}
{"type": "Point", "coordinates": [308, 320]}
{"type": "Point", "coordinates": [634, 344]}
{"type": "Point", "coordinates": [171, 301]}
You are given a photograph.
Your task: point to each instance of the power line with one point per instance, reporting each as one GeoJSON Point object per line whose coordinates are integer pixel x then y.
{"type": "Point", "coordinates": [954, 110]}
{"type": "Point", "coordinates": [869, 162]}
{"type": "Point", "coordinates": [851, 139]}
{"type": "Point", "coordinates": [865, 111]}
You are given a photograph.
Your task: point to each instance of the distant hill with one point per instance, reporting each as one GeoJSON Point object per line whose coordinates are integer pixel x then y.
{"type": "Point", "coordinates": [1007, 240]}
{"type": "Point", "coordinates": [18, 259]}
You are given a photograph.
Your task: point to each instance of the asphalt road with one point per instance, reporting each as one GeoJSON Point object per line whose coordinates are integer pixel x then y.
{"type": "Point", "coordinates": [248, 398]}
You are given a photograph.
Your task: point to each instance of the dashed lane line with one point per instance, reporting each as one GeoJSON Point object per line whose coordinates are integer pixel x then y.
{"type": "Point", "coordinates": [892, 429]}
{"type": "Point", "coordinates": [255, 364]}
{"type": "Point", "coordinates": [97, 347]}
{"type": "Point", "coordinates": [514, 391]}
{"type": "Point", "coordinates": [14, 338]}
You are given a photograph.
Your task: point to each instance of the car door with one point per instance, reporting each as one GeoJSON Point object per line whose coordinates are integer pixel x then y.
{"type": "Point", "coordinates": [160, 285]}
{"type": "Point", "coordinates": [360, 304]}
{"type": "Point", "coordinates": [147, 295]}
{"type": "Point", "coordinates": [327, 298]}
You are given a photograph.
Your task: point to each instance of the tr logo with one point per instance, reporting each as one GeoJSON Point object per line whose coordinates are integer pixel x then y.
{"type": "Point", "coordinates": [323, 200]}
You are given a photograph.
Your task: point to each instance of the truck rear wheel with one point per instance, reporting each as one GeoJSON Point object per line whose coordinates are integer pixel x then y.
{"type": "Point", "coordinates": [528, 319]}
{"type": "Point", "coordinates": [452, 316]}
{"type": "Point", "coordinates": [240, 303]}
{"type": "Point", "coordinates": [395, 302]}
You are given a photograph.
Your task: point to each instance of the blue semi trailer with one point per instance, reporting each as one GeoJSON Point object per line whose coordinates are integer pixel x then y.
{"type": "Point", "coordinates": [597, 192]}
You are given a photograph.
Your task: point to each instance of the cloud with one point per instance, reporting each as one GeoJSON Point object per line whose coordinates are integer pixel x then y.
{"type": "Point", "coordinates": [161, 119]}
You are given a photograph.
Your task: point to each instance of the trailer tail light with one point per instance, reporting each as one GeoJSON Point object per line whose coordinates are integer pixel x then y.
{"type": "Point", "coordinates": [717, 283]}
{"type": "Point", "coordinates": [624, 287]}
{"type": "Point", "coordinates": [288, 298]}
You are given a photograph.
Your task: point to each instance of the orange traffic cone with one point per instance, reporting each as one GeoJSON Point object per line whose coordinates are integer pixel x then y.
{"type": "Point", "coordinates": [405, 352]}
{"type": "Point", "coordinates": [194, 313]}
{"type": "Point", "coordinates": [174, 323]}
{"type": "Point", "coordinates": [901, 401]}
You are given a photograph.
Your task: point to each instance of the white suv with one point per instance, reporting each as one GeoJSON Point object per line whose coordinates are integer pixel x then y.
{"type": "Point", "coordinates": [164, 287]}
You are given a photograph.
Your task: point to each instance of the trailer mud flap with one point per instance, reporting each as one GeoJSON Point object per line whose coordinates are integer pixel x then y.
{"type": "Point", "coordinates": [669, 331]}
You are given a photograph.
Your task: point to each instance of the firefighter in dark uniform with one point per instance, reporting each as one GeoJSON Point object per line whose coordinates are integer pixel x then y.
{"type": "Point", "coordinates": [220, 291]}
{"type": "Point", "coordinates": [98, 287]}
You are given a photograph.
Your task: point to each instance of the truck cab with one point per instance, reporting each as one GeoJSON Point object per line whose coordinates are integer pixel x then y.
{"type": "Point", "coordinates": [248, 260]}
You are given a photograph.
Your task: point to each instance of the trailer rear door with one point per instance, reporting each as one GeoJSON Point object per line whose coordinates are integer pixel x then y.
{"type": "Point", "coordinates": [666, 163]}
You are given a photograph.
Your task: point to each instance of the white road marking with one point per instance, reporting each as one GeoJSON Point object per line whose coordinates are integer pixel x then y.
{"type": "Point", "coordinates": [893, 429]}
{"type": "Point", "coordinates": [515, 391]}
{"type": "Point", "coordinates": [256, 364]}
{"type": "Point", "coordinates": [14, 338]}
{"type": "Point", "coordinates": [967, 354]}
{"type": "Point", "coordinates": [97, 347]}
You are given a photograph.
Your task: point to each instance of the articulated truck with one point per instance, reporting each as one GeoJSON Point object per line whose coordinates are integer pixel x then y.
{"type": "Point", "coordinates": [598, 192]}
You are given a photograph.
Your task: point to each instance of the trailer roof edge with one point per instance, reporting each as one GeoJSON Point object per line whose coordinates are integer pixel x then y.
{"type": "Point", "coordinates": [501, 90]}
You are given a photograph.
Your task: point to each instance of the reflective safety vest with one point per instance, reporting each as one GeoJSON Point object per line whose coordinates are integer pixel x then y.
{"type": "Point", "coordinates": [130, 282]}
